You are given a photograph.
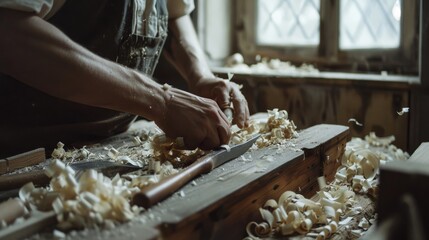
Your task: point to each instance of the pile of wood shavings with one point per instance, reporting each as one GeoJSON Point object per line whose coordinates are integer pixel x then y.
{"type": "Point", "coordinates": [277, 130]}
{"type": "Point", "coordinates": [336, 205]}
{"type": "Point", "coordinates": [173, 151]}
{"type": "Point", "coordinates": [293, 213]}
{"type": "Point", "coordinates": [134, 151]}
{"type": "Point", "coordinates": [236, 63]}
{"type": "Point", "coordinates": [362, 159]}
{"type": "Point", "coordinates": [88, 201]}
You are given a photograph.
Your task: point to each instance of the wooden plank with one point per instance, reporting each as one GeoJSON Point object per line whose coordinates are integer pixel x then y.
{"type": "Point", "coordinates": [22, 160]}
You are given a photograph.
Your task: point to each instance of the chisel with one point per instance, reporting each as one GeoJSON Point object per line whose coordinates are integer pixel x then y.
{"type": "Point", "coordinates": [158, 191]}
{"type": "Point", "coordinates": [39, 178]}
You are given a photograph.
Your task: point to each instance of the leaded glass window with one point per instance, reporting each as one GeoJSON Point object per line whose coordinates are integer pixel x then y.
{"type": "Point", "coordinates": [288, 22]}
{"type": "Point", "coordinates": [366, 24]}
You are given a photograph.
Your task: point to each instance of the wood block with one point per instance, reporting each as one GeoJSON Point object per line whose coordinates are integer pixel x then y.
{"type": "Point", "coordinates": [403, 195]}
{"type": "Point", "coordinates": [421, 154]}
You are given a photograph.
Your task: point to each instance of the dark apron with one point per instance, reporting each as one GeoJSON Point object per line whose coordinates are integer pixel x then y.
{"type": "Point", "coordinates": [31, 118]}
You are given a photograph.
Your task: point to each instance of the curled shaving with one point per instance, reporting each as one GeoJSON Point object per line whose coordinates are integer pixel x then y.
{"type": "Point", "coordinates": [256, 231]}
{"type": "Point", "coordinates": [404, 110]}
{"type": "Point", "coordinates": [355, 121]}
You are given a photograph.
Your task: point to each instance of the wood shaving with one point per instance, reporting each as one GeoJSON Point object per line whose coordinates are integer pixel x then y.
{"type": "Point", "coordinates": [59, 151]}
{"type": "Point", "coordinates": [404, 110]}
{"type": "Point", "coordinates": [336, 204]}
{"type": "Point", "coordinates": [181, 193]}
{"type": "Point", "coordinates": [166, 86]}
{"type": "Point", "coordinates": [355, 121]}
{"type": "Point", "coordinates": [230, 76]}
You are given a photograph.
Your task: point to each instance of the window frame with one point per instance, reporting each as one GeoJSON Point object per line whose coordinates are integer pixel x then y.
{"type": "Point", "coordinates": [328, 55]}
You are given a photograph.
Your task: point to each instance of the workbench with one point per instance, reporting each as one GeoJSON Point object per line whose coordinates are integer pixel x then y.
{"type": "Point", "coordinates": [218, 205]}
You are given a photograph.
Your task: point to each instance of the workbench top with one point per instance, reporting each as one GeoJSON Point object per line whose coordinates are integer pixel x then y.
{"type": "Point", "coordinates": [218, 205]}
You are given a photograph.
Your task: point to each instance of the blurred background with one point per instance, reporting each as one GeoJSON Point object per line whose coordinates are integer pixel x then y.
{"type": "Point", "coordinates": [324, 61]}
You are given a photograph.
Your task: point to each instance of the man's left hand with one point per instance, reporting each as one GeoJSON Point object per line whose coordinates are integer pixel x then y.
{"type": "Point", "coordinates": [225, 93]}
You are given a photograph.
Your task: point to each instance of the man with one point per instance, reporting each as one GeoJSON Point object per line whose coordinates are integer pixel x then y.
{"type": "Point", "coordinates": [76, 69]}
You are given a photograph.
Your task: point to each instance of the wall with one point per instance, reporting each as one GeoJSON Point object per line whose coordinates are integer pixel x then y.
{"type": "Point", "coordinates": [419, 124]}
{"type": "Point", "coordinates": [315, 101]}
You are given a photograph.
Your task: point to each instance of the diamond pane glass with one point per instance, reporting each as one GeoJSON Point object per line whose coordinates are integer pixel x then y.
{"type": "Point", "coordinates": [288, 22]}
{"type": "Point", "coordinates": [366, 24]}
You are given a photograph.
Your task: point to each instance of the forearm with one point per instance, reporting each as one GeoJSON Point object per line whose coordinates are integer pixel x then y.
{"type": "Point", "coordinates": [38, 54]}
{"type": "Point", "coordinates": [185, 53]}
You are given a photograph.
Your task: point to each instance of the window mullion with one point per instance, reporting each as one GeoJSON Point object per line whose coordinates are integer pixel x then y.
{"type": "Point", "coordinates": [329, 29]}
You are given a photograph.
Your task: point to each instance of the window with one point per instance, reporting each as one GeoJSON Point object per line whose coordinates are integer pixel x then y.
{"type": "Point", "coordinates": [343, 35]}
{"type": "Point", "coordinates": [288, 23]}
{"type": "Point", "coordinates": [368, 24]}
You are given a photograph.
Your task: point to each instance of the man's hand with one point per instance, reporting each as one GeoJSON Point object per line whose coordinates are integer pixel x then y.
{"type": "Point", "coordinates": [225, 93]}
{"type": "Point", "coordinates": [198, 120]}
{"type": "Point", "coordinates": [185, 53]}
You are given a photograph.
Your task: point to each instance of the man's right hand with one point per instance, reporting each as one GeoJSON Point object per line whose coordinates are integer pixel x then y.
{"type": "Point", "coordinates": [198, 120]}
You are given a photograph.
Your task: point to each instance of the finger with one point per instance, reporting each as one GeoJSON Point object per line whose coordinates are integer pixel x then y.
{"type": "Point", "coordinates": [246, 123]}
{"type": "Point", "coordinates": [223, 117]}
{"type": "Point", "coordinates": [214, 110]}
{"type": "Point", "coordinates": [221, 95]}
{"type": "Point", "coordinates": [224, 134]}
{"type": "Point", "coordinates": [241, 111]}
{"type": "Point", "coordinates": [218, 135]}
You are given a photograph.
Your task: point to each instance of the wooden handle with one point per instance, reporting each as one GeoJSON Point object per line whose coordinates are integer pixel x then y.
{"type": "Point", "coordinates": [8, 182]}
{"type": "Point", "coordinates": [158, 191]}
{"type": "Point", "coordinates": [11, 210]}
{"type": "Point", "coordinates": [37, 222]}
{"type": "Point", "coordinates": [22, 160]}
